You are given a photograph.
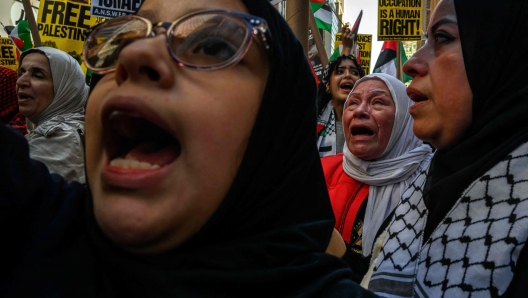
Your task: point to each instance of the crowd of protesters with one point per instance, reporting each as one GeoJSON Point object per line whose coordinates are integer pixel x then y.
{"type": "Point", "coordinates": [203, 161]}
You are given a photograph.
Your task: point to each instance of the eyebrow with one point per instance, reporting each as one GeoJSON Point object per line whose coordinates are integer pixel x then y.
{"type": "Point", "coordinates": [442, 22]}
{"type": "Point", "coordinates": [345, 67]}
{"type": "Point", "coordinates": [375, 91]}
{"type": "Point", "coordinates": [35, 68]}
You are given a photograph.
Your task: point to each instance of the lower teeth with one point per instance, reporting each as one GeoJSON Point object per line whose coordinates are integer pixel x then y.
{"type": "Point", "coordinates": [132, 164]}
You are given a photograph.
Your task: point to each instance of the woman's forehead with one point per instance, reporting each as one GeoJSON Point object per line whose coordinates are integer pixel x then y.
{"type": "Point", "coordinates": [36, 60]}
{"type": "Point", "coordinates": [347, 64]}
{"type": "Point", "coordinates": [371, 86]}
{"type": "Point", "coordinates": [165, 11]}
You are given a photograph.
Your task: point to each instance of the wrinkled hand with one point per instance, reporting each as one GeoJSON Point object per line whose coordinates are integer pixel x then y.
{"type": "Point", "coordinates": [347, 39]}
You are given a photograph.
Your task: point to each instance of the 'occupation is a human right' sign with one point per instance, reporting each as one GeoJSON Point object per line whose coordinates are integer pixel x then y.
{"type": "Point", "coordinates": [399, 20]}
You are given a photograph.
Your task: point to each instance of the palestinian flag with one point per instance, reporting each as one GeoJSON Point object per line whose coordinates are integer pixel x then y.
{"type": "Point", "coordinates": [337, 52]}
{"type": "Point", "coordinates": [21, 36]}
{"type": "Point", "coordinates": [387, 59]}
{"type": "Point", "coordinates": [322, 14]}
{"type": "Point", "coordinates": [354, 30]}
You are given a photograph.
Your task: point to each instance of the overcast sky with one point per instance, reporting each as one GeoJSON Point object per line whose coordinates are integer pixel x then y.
{"type": "Point", "coordinates": [368, 22]}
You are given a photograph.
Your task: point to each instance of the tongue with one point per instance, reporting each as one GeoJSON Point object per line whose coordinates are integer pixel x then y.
{"type": "Point", "coordinates": [153, 153]}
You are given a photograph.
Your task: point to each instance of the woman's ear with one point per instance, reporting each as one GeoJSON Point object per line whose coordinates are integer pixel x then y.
{"type": "Point", "coordinates": [327, 88]}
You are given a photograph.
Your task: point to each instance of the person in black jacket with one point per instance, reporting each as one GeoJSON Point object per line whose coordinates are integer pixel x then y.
{"type": "Point", "coordinates": [203, 176]}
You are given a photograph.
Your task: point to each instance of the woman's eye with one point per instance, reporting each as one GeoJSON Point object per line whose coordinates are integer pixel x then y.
{"type": "Point", "coordinates": [38, 75]}
{"type": "Point", "coordinates": [355, 73]}
{"type": "Point", "coordinates": [215, 47]}
{"type": "Point", "coordinates": [441, 38]}
{"type": "Point", "coordinates": [339, 71]}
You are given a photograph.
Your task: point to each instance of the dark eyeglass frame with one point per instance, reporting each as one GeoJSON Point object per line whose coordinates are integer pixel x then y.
{"type": "Point", "coordinates": [255, 26]}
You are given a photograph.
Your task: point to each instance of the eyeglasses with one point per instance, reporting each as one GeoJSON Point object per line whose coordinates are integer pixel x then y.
{"type": "Point", "coordinates": [207, 39]}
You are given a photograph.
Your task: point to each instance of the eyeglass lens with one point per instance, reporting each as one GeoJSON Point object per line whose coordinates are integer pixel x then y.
{"type": "Point", "coordinates": [200, 40]}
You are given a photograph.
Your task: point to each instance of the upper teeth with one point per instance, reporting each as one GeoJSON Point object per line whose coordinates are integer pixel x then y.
{"type": "Point", "coordinates": [132, 164]}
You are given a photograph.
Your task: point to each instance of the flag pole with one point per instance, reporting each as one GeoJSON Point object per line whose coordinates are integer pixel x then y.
{"type": "Point", "coordinates": [317, 39]}
{"type": "Point", "coordinates": [398, 61]}
{"type": "Point", "coordinates": [297, 18]}
{"type": "Point", "coordinates": [32, 23]}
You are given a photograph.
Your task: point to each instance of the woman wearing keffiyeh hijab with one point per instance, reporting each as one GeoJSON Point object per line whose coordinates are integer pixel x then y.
{"type": "Point", "coordinates": [9, 113]}
{"type": "Point", "coordinates": [462, 226]}
{"type": "Point", "coordinates": [381, 158]}
{"type": "Point", "coordinates": [52, 94]}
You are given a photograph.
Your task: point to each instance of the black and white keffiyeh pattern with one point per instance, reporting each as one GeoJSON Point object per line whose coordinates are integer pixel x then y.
{"type": "Point", "coordinates": [326, 138]}
{"type": "Point", "coordinates": [474, 250]}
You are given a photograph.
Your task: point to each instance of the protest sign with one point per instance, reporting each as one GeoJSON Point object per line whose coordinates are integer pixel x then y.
{"type": "Point", "coordinates": [313, 56]}
{"type": "Point", "coordinates": [399, 20]}
{"type": "Point", "coordinates": [62, 25]}
{"type": "Point", "coordinates": [8, 56]}
{"type": "Point", "coordinates": [114, 8]}
{"type": "Point", "coordinates": [365, 51]}
{"type": "Point", "coordinates": [337, 40]}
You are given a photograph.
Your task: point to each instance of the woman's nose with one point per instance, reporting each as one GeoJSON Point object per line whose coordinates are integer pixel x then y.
{"type": "Point", "coordinates": [146, 61]}
{"type": "Point", "coordinates": [416, 66]}
{"type": "Point", "coordinates": [22, 81]}
{"type": "Point", "coordinates": [362, 110]}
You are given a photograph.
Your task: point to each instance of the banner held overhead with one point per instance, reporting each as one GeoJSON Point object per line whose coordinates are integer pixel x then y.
{"type": "Point", "coordinates": [365, 48]}
{"type": "Point", "coordinates": [62, 25]}
{"type": "Point", "coordinates": [399, 20]}
{"type": "Point", "coordinates": [8, 57]}
{"type": "Point", "coordinates": [114, 8]}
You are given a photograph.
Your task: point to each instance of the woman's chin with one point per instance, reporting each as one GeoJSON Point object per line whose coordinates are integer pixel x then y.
{"type": "Point", "coordinates": [125, 231]}
{"type": "Point", "coordinates": [127, 228]}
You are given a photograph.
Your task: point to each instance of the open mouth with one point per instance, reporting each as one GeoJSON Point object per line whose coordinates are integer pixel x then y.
{"type": "Point", "coordinates": [134, 142]}
{"type": "Point", "coordinates": [417, 98]}
{"type": "Point", "coordinates": [23, 96]}
{"type": "Point", "coordinates": [357, 131]}
{"type": "Point", "coordinates": [347, 87]}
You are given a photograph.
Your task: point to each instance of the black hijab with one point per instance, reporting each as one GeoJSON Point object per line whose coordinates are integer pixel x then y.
{"type": "Point", "coordinates": [494, 43]}
{"type": "Point", "coordinates": [269, 235]}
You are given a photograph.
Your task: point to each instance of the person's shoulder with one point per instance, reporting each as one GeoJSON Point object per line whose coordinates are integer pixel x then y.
{"type": "Point", "coordinates": [60, 125]}
{"type": "Point", "coordinates": [332, 163]}
{"type": "Point", "coordinates": [332, 159]}
{"type": "Point", "coordinates": [334, 173]}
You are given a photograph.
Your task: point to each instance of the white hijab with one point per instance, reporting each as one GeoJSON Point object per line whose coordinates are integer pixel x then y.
{"type": "Point", "coordinates": [69, 85]}
{"type": "Point", "coordinates": [391, 173]}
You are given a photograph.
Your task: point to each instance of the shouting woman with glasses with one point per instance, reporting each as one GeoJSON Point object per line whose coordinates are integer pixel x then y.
{"type": "Point", "coordinates": [196, 183]}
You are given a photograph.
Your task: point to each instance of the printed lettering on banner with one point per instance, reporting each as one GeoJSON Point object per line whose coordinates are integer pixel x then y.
{"type": "Point", "coordinates": [62, 24]}
{"type": "Point", "coordinates": [399, 20]}
{"type": "Point", "coordinates": [365, 51]}
{"type": "Point", "coordinates": [8, 57]}
{"type": "Point", "coordinates": [114, 8]}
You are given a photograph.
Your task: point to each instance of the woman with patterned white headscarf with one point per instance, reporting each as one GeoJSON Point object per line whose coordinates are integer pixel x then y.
{"type": "Point", "coordinates": [52, 93]}
{"type": "Point", "coordinates": [381, 158]}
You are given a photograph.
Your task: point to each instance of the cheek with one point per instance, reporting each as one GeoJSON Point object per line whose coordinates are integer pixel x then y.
{"type": "Point", "coordinates": [335, 82]}
{"type": "Point", "coordinates": [45, 92]}
{"type": "Point", "coordinates": [347, 118]}
{"type": "Point", "coordinates": [386, 122]}
{"type": "Point", "coordinates": [454, 105]}
{"type": "Point", "coordinates": [451, 72]}
{"type": "Point", "coordinates": [93, 124]}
